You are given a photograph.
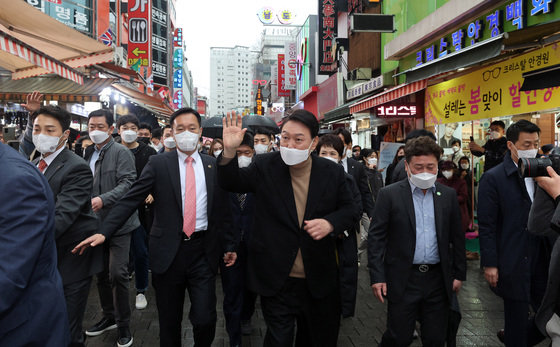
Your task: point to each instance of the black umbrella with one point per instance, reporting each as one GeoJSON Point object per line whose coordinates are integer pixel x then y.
{"type": "Point", "coordinates": [212, 127]}
{"type": "Point", "coordinates": [255, 122]}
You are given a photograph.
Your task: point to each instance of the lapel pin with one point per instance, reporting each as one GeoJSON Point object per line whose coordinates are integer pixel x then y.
{"type": "Point", "coordinates": [438, 193]}
{"type": "Point", "coordinates": [209, 166]}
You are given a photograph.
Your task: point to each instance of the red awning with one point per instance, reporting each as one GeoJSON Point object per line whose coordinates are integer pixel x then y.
{"type": "Point", "coordinates": [388, 96]}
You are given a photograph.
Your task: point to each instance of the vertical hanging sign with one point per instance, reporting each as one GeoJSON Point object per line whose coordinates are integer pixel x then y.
{"type": "Point", "coordinates": [282, 77]}
{"type": "Point", "coordinates": [327, 32]}
{"type": "Point", "coordinates": [290, 65]}
{"type": "Point", "coordinates": [139, 33]}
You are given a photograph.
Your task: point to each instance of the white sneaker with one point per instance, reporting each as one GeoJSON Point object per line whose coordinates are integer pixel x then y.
{"type": "Point", "coordinates": [141, 301]}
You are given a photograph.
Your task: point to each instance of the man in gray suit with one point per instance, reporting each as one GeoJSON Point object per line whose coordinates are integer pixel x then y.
{"type": "Point", "coordinates": [71, 181]}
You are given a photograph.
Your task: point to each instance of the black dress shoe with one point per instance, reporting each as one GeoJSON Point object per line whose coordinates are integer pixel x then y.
{"type": "Point", "coordinates": [501, 336]}
{"type": "Point", "coordinates": [125, 338]}
{"type": "Point", "coordinates": [102, 326]}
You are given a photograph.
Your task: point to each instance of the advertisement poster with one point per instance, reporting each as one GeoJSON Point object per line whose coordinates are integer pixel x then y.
{"type": "Point", "coordinates": [493, 91]}
{"type": "Point", "coordinates": [387, 152]}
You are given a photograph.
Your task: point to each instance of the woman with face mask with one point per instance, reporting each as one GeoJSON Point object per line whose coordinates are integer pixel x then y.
{"type": "Point", "coordinates": [457, 152]}
{"type": "Point", "coordinates": [398, 157]}
{"type": "Point", "coordinates": [216, 148]}
{"type": "Point", "coordinates": [452, 179]}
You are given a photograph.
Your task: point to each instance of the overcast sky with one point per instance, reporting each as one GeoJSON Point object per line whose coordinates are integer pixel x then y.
{"type": "Point", "coordinates": [226, 23]}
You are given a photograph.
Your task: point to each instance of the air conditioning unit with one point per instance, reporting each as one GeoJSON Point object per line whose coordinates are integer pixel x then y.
{"type": "Point", "coordinates": [363, 73]}
{"type": "Point", "coordinates": [119, 57]}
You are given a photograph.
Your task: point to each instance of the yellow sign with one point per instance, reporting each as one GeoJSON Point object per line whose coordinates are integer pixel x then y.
{"type": "Point", "coordinates": [493, 91]}
{"type": "Point", "coordinates": [137, 51]}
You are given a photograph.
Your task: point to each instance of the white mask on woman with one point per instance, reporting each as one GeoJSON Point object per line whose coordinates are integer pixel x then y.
{"type": "Point", "coordinates": [372, 161]}
{"type": "Point", "coordinates": [217, 153]}
{"type": "Point", "coordinates": [447, 174]}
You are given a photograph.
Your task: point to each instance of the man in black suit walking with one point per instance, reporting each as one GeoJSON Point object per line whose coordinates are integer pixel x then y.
{"type": "Point", "coordinates": [416, 249]}
{"type": "Point", "coordinates": [191, 214]}
{"type": "Point", "coordinates": [302, 204]}
{"type": "Point", "coordinates": [71, 181]}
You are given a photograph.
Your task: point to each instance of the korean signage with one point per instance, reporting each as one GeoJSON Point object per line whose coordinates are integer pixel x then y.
{"type": "Point", "coordinates": [178, 58]}
{"type": "Point", "coordinates": [178, 99]}
{"type": "Point", "coordinates": [493, 91]}
{"type": "Point", "coordinates": [266, 15]}
{"type": "Point", "coordinates": [365, 88]}
{"type": "Point", "coordinates": [178, 38]}
{"type": "Point", "coordinates": [282, 77]}
{"type": "Point", "coordinates": [160, 43]}
{"type": "Point", "coordinates": [290, 65]}
{"type": "Point", "coordinates": [77, 14]}
{"type": "Point", "coordinates": [139, 33]}
{"type": "Point", "coordinates": [259, 108]}
{"type": "Point", "coordinates": [514, 15]}
{"type": "Point", "coordinates": [394, 111]}
{"type": "Point", "coordinates": [327, 31]}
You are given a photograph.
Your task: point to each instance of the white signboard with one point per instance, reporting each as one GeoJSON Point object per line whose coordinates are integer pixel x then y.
{"type": "Point", "coordinates": [364, 88]}
{"type": "Point", "coordinates": [290, 65]}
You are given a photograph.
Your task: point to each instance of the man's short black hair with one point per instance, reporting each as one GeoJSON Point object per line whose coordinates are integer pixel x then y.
{"type": "Point", "coordinates": [156, 133]}
{"type": "Point", "coordinates": [456, 142]}
{"type": "Point", "coordinates": [419, 132]}
{"type": "Point", "coordinates": [331, 140]}
{"type": "Point", "coordinates": [248, 141]}
{"type": "Point", "coordinates": [306, 118]}
{"type": "Point", "coordinates": [423, 145]}
{"type": "Point", "coordinates": [356, 146]}
{"type": "Point", "coordinates": [103, 113]}
{"type": "Point", "coordinates": [345, 133]}
{"type": "Point", "coordinates": [127, 118]}
{"type": "Point", "coordinates": [521, 126]}
{"type": "Point", "coordinates": [145, 125]}
{"type": "Point", "coordinates": [61, 115]}
{"type": "Point", "coordinates": [185, 110]}
{"type": "Point", "coordinates": [264, 131]}
{"type": "Point", "coordinates": [499, 123]}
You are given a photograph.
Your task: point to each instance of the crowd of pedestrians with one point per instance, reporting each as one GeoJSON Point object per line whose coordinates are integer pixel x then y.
{"type": "Point", "coordinates": [288, 220]}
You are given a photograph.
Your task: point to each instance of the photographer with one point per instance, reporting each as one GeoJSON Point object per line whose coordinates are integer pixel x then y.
{"type": "Point", "coordinates": [544, 219]}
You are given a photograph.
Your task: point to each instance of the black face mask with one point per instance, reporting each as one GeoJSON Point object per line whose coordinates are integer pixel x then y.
{"type": "Point", "coordinates": [145, 140]}
{"type": "Point", "coordinates": [400, 157]}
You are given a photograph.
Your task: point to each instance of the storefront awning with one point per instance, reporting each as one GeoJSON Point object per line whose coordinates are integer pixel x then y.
{"type": "Point", "coordinates": [468, 56]}
{"type": "Point", "coordinates": [547, 77]}
{"type": "Point", "coordinates": [342, 111]}
{"type": "Point", "coordinates": [151, 103]}
{"type": "Point", "coordinates": [53, 88]}
{"type": "Point", "coordinates": [48, 38]}
{"type": "Point", "coordinates": [388, 96]}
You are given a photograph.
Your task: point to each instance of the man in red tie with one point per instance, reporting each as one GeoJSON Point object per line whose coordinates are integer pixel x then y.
{"type": "Point", "coordinates": [191, 217]}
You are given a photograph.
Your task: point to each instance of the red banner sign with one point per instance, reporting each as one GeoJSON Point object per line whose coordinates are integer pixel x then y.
{"type": "Point", "coordinates": [327, 32]}
{"type": "Point", "coordinates": [139, 33]}
{"type": "Point", "coordinates": [282, 77]}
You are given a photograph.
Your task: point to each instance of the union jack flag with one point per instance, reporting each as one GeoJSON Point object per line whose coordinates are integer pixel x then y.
{"type": "Point", "coordinates": [107, 37]}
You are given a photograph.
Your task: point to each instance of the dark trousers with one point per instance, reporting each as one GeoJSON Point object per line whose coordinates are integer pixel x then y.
{"type": "Point", "coordinates": [76, 295]}
{"type": "Point", "coordinates": [520, 329]}
{"type": "Point", "coordinates": [319, 318]}
{"type": "Point", "coordinates": [233, 286]}
{"type": "Point", "coordinates": [139, 248]}
{"type": "Point", "coordinates": [424, 300]}
{"type": "Point", "coordinates": [188, 271]}
{"type": "Point", "coordinates": [112, 282]}
{"type": "Point", "coordinates": [249, 297]}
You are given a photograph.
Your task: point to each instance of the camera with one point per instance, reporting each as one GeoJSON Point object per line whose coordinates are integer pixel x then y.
{"type": "Point", "coordinates": [535, 167]}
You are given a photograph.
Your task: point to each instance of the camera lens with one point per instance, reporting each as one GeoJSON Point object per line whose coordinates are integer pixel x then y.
{"type": "Point", "coordinates": [533, 167]}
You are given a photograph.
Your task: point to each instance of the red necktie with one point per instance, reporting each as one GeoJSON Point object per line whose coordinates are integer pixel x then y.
{"type": "Point", "coordinates": [42, 165]}
{"type": "Point", "coordinates": [189, 210]}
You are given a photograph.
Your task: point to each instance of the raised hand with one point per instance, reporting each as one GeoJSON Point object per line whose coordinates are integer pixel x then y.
{"type": "Point", "coordinates": [33, 102]}
{"type": "Point", "coordinates": [232, 133]}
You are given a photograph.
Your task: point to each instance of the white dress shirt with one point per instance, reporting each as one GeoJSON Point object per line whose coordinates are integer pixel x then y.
{"type": "Point", "coordinates": [51, 157]}
{"type": "Point", "coordinates": [345, 164]}
{"type": "Point", "coordinates": [201, 193]}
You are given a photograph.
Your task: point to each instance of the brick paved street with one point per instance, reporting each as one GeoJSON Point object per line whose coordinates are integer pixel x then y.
{"type": "Point", "coordinates": [482, 317]}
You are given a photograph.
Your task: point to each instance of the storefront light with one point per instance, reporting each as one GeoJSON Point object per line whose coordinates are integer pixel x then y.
{"type": "Point", "coordinates": [116, 97]}
{"type": "Point", "coordinates": [123, 100]}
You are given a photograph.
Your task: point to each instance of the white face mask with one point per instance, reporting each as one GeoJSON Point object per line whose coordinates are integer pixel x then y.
{"type": "Point", "coordinates": [494, 135]}
{"type": "Point", "coordinates": [372, 161]}
{"type": "Point", "coordinates": [261, 149]}
{"type": "Point", "coordinates": [331, 159]}
{"type": "Point", "coordinates": [465, 166]}
{"type": "Point", "coordinates": [187, 141]}
{"type": "Point", "coordinates": [447, 174]}
{"type": "Point", "coordinates": [217, 153]}
{"type": "Point", "coordinates": [348, 153]}
{"type": "Point", "coordinates": [129, 136]}
{"type": "Point", "coordinates": [527, 153]}
{"type": "Point", "coordinates": [423, 180]}
{"type": "Point", "coordinates": [243, 161]}
{"type": "Point", "coordinates": [455, 149]}
{"type": "Point", "coordinates": [169, 142]}
{"type": "Point", "coordinates": [98, 136]}
{"type": "Point", "coordinates": [46, 143]}
{"type": "Point", "coordinates": [159, 146]}
{"type": "Point", "coordinates": [294, 156]}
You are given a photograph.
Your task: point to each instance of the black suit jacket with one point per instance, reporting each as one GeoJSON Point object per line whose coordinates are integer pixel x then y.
{"type": "Point", "coordinates": [358, 171]}
{"type": "Point", "coordinates": [71, 180]}
{"type": "Point", "coordinates": [392, 238]}
{"type": "Point", "coordinates": [277, 236]}
{"type": "Point", "coordinates": [160, 177]}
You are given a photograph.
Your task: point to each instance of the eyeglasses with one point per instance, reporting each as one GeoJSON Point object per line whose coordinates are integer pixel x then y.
{"type": "Point", "coordinates": [495, 73]}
